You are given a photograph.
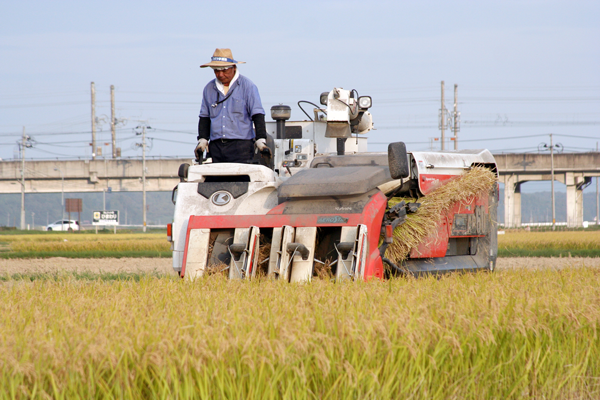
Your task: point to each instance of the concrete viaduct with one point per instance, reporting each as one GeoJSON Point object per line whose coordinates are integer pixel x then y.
{"type": "Point", "coordinates": [575, 170]}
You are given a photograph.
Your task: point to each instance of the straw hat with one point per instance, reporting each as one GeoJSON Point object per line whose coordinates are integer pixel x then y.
{"type": "Point", "coordinates": [222, 58]}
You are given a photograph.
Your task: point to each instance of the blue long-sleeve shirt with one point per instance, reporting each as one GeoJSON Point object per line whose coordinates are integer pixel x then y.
{"type": "Point", "coordinates": [232, 118]}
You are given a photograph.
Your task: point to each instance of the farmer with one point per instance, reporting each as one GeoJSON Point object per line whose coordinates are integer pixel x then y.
{"type": "Point", "coordinates": [230, 107]}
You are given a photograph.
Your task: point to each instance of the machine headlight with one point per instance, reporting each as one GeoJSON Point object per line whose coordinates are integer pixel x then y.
{"type": "Point", "coordinates": [365, 102]}
{"type": "Point", "coordinates": [323, 98]}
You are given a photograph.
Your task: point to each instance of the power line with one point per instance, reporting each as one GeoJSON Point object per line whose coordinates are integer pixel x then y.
{"type": "Point", "coordinates": [195, 103]}
{"type": "Point", "coordinates": [520, 150]}
{"type": "Point", "coordinates": [501, 138]}
{"type": "Point", "coordinates": [56, 154]}
{"type": "Point", "coordinates": [533, 88]}
{"type": "Point", "coordinates": [172, 131]}
{"type": "Point", "coordinates": [61, 133]}
{"type": "Point", "coordinates": [580, 148]}
{"type": "Point", "coordinates": [21, 95]}
{"type": "Point", "coordinates": [509, 138]}
{"type": "Point", "coordinates": [61, 144]}
{"type": "Point", "coordinates": [467, 99]}
{"type": "Point", "coordinates": [163, 93]}
{"type": "Point", "coordinates": [498, 124]}
{"type": "Point", "coordinates": [579, 137]}
{"type": "Point", "coordinates": [170, 141]}
{"type": "Point", "coordinates": [44, 104]}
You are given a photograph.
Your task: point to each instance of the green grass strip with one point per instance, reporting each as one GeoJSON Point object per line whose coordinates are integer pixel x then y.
{"type": "Point", "coordinates": [511, 252]}
{"type": "Point", "coordinates": [87, 254]}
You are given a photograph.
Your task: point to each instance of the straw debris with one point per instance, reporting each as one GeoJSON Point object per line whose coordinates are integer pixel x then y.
{"type": "Point", "coordinates": [264, 253]}
{"type": "Point", "coordinates": [323, 271]}
{"type": "Point", "coordinates": [216, 269]}
{"type": "Point", "coordinates": [424, 222]}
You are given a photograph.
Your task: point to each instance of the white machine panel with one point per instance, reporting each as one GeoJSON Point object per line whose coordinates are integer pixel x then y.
{"type": "Point", "coordinates": [197, 253]}
{"type": "Point", "coordinates": [302, 269]}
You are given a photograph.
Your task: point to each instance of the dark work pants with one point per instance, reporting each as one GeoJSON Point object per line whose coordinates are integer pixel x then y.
{"type": "Point", "coordinates": [232, 150]}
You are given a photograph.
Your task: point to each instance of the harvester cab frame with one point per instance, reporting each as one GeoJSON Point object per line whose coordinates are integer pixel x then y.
{"type": "Point", "coordinates": [321, 204]}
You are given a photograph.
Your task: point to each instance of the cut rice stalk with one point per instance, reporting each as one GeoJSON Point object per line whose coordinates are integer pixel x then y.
{"type": "Point", "coordinates": [424, 222]}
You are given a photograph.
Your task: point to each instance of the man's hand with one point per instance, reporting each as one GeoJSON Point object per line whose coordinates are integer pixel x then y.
{"type": "Point", "coordinates": [200, 149]}
{"type": "Point", "coordinates": [261, 145]}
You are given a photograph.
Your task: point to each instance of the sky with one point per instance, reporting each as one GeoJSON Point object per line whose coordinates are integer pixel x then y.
{"type": "Point", "coordinates": [524, 69]}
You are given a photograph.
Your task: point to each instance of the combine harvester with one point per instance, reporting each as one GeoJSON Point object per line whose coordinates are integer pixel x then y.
{"type": "Point", "coordinates": [323, 203]}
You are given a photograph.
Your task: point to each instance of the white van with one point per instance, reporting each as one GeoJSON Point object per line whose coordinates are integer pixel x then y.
{"type": "Point", "coordinates": [63, 225]}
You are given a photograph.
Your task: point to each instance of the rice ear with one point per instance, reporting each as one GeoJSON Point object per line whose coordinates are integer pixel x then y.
{"type": "Point", "coordinates": [424, 222]}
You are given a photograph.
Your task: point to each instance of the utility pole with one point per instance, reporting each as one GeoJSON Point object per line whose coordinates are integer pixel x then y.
{"type": "Point", "coordinates": [552, 177]}
{"type": "Point", "coordinates": [143, 128]}
{"type": "Point", "coordinates": [62, 193]}
{"type": "Point", "coordinates": [597, 197]}
{"type": "Point", "coordinates": [443, 117]}
{"type": "Point", "coordinates": [455, 118]}
{"type": "Point", "coordinates": [144, 175]}
{"type": "Point", "coordinates": [93, 89]}
{"type": "Point", "coordinates": [432, 144]}
{"type": "Point", "coordinates": [113, 121]}
{"type": "Point", "coordinates": [545, 147]}
{"type": "Point", "coordinates": [23, 142]}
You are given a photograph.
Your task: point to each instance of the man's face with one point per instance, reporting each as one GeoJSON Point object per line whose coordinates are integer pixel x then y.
{"type": "Point", "coordinates": [225, 75]}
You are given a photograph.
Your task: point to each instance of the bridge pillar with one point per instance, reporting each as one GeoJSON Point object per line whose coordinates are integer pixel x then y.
{"type": "Point", "coordinates": [575, 185]}
{"type": "Point", "coordinates": [512, 201]}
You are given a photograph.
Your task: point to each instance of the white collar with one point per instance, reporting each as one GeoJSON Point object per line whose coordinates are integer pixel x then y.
{"type": "Point", "coordinates": [220, 85]}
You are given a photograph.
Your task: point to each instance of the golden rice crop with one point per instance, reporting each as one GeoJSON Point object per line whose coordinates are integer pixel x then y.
{"type": "Point", "coordinates": [512, 334]}
{"type": "Point", "coordinates": [86, 242]}
{"type": "Point", "coordinates": [97, 245]}
{"type": "Point", "coordinates": [574, 240]}
{"type": "Point", "coordinates": [57, 236]}
{"type": "Point", "coordinates": [424, 222]}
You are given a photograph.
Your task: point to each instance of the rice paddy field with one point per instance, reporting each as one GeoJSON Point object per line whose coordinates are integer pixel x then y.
{"type": "Point", "coordinates": [84, 245]}
{"type": "Point", "coordinates": [515, 333]}
{"type": "Point", "coordinates": [519, 243]}
{"type": "Point", "coordinates": [516, 243]}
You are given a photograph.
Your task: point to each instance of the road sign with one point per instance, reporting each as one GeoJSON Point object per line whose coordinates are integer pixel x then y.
{"type": "Point", "coordinates": [105, 218]}
{"type": "Point", "coordinates": [73, 205]}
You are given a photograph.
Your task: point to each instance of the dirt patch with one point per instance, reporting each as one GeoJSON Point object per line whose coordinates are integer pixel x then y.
{"type": "Point", "coordinates": [94, 265]}
{"type": "Point", "coordinates": [164, 265]}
